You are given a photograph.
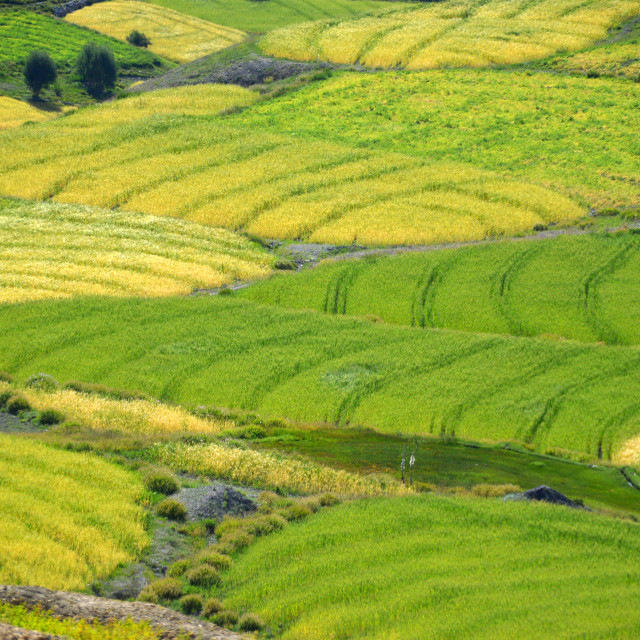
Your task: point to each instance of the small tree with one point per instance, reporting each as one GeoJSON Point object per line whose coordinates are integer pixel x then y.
{"type": "Point", "coordinates": [39, 72]}
{"type": "Point", "coordinates": [97, 68]}
{"type": "Point", "coordinates": [138, 39]}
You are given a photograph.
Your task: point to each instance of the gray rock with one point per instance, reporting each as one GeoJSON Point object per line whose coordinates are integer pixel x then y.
{"type": "Point", "coordinates": [214, 501]}
{"type": "Point", "coordinates": [544, 494]}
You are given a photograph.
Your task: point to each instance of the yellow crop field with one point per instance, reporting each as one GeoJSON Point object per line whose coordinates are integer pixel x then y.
{"type": "Point", "coordinates": [52, 250]}
{"type": "Point", "coordinates": [616, 59]}
{"type": "Point", "coordinates": [67, 518]}
{"type": "Point", "coordinates": [278, 186]}
{"type": "Point", "coordinates": [454, 33]}
{"type": "Point", "coordinates": [174, 35]}
{"type": "Point", "coordinates": [13, 113]}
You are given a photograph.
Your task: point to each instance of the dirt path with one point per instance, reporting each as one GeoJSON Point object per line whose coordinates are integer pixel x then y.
{"type": "Point", "coordinates": [168, 623]}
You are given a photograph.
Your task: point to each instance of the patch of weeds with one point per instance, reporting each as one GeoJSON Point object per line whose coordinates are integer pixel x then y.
{"type": "Point", "coordinates": [250, 622]}
{"type": "Point", "coordinates": [203, 576]}
{"type": "Point", "coordinates": [219, 561]}
{"type": "Point", "coordinates": [172, 510]}
{"type": "Point", "coordinates": [191, 604]}
{"type": "Point", "coordinates": [6, 377]}
{"type": "Point", "coordinates": [178, 569]}
{"type": "Point", "coordinates": [161, 482]}
{"type": "Point", "coordinates": [51, 417]}
{"type": "Point", "coordinates": [17, 404]}
{"type": "Point", "coordinates": [42, 382]}
{"type": "Point", "coordinates": [211, 607]}
{"type": "Point", "coordinates": [228, 619]}
{"type": "Point", "coordinates": [164, 589]}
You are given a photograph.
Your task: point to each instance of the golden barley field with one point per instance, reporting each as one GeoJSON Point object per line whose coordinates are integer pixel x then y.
{"type": "Point", "coordinates": [50, 250]}
{"type": "Point", "coordinates": [454, 33]}
{"type": "Point", "coordinates": [13, 113]}
{"type": "Point", "coordinates": [67, 518]}
{"type": "Point", "coordinates": [167, 162]}
{"type": "Point", "coordinates": [174, 35]}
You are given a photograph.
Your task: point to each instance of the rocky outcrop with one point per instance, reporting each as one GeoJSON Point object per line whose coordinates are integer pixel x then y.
{"type": "Point", "coordinates": [544, 494]}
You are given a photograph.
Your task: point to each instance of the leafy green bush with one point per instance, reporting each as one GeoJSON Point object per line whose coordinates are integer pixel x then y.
{"type": "Point", "coordinates": [191, 604]}
{"type": "Point", "coordinates": [161, 482]}
{"type": "Point", "coordinates": [16, 404]}
{"type": "Point", "coordinates": [172, 510]}
{"type": "Point", "coordinates": [39, 72]}
{"type": "Point", "coordinates": [42, 382]}
{"type": "Point", "coordinates": [51, 416]}
{"type": "Point", "coordinates": [211, 607]}
{"type": "Point", "coordinates": [138, 39]}
{"type": "Point", "coordinates": [251, 622]}
{"type": "Point", "coordinates": [203, 576]}
{"type": "Point", "coordinates": [97, 68]}
{"type": "Point", "coordinates": [227, 619]}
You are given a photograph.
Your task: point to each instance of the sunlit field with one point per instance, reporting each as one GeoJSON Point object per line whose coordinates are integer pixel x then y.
{"type": "Point", "coordinates": [67, 518]}
{"type": "Point", "coordinates": [13, 113]}
{"type": "Point", "coordinates": [319, 369]}
{"type": "Point", "coordinates": [454, 33]}
{"type": "Point", "coordinates": [51, 250]}
{"type": "Point", "coordinates": [173, 35]}
{"type": "Point", "coordinates": [572, 133]}
{"type": "Point", "coordinates": [578, 287]}
{"type": "Point", "coordinates": [427, 567]}
{"type": "Point", "coordinates": [260, 17]}
{"type": "Point", "coordinates": [215, 171]}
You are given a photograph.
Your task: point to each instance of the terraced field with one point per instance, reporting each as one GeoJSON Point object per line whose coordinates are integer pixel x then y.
{"type": "Point", "coordinates": [570, 133]}
{"type": "Point", "coordinates": [455, 33]}
{"type": "Point", "coordinates": [52, 251]}
{"type": "Point", "coordinates": [315, 368]}
{"type": "Point", "coordinates": [13, 113]}
{"type": "Point", "coordinates": [584, 288]}
{"type": "Point", "coordinates": [67, 518]}
{"type": "Point", "coordinates": [167, 162]}
{"type": "Point", "coordinates": [260, 17]}
{"type": "Point", "coordinates": [429, 567]}
{"type": "Point", "coordinates": [173, 35]}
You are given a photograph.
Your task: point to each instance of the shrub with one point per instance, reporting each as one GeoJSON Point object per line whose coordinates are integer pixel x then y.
{"type": "Point", "coordinates": [229, 525]}
{"type": "Point", "coordinates": [97, 68]}
{"type": "Point", "coordinates": [138, 39]}
{"type": "Point", "coordinates": [191, 604]}
{"type": "Point", "coordinates": [494, 490]}
{"type": "Point", "coordinates": [16, 404]}
{"type": "Point", "coordinates": [226, 619]}
{"type": "Point", "coordinates": [251, 622]}
{"type": "Point", "coordinates": [329, 500]}
{"type": "Point", "coordinates": [272, 500]}
{"type": "Point", "coordinates": [216, 560]}
{"type": "Point", "coordinates": [39, 72]}
{"type": "Point", "coordinates": [265, 524]}
{"type": "Point", "coordinates": [161, 482]}
{"type": "Point", "coordinates": [313, 504]}
{"type": "Point", "coordinates": [42, 382]}
{"type": "Point", "coordinates": [164, 589]}
{"type": "Point", "coordinates": [203, 576]}
{"type": "Point", "coordinates": [211, 607]}
{"type": "Point", "coordinates": [294, 512]}
{"type": "Point", "coordinates": [178, 568]}
{"type": "Point", "coordinates": [172, 510]}
{"type": "Point", "coordinates": [4, 398]}
{"type": "Point", "coordinates": [51, 416]}
{"type": "Point", "coordinates": [6, 377]}
{"type": "Point", "coordinates": [234, 541]}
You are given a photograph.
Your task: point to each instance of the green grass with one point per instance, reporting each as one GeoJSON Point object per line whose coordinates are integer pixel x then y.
{"type": "Point", "coordinates": [424, 567]}
{"type": "Point", "coordinates": [260, 16]}
{"type": "Point", "coordinates": [315, 368]}
{"type": "Point", "coordinates": [583, 288]}
{"type": "Point", "coordinates": [446, 464]}
{"type": "Point", "coordinates": [573, 134]}
{"type": "Point", "coordinates": [24, 31]}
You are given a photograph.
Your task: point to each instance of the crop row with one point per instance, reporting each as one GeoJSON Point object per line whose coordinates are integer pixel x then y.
{"type": "Point", "coordinates": [271, 185]}
{"type": "Point", "coordinates": [67, 518]}
{"type": "Point", "coordinates": [316, 368]}
{"type": "Point", "coordinates": [455, 33]}
{"type": "Point", "coordinates": [49, 251]}
{"type": "Point", "coordinates": [173, 35]}
{"type": "Point", "coordinates": [579, 287]}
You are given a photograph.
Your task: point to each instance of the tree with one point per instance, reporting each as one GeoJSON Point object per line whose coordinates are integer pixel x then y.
{"type": "Point", "coordinates": [97, 68]}
{"type": "Point", "coordinates": [39, 72]}
{"type": "Point", "coordinates": [138, 39]}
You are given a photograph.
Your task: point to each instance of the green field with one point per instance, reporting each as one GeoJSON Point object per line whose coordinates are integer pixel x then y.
{"type": "Point", "coordinates": [573, 134]}
{"type": "Point", "coordinates": [260, 17]}
{"type": "Point", "coordinates": [578, 287]}
{"type": "Point", "coordinates": [316, 368]}
{"type": "Point", "coordinates": [23, 31]}
{"type": "Point", "coordinates": [419, 568]}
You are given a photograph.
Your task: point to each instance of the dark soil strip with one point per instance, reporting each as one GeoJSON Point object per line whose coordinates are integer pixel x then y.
{"type": "Point", "coordinates": [629, 479]}
{"type": "Point", "coordinates": [169, 624]}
